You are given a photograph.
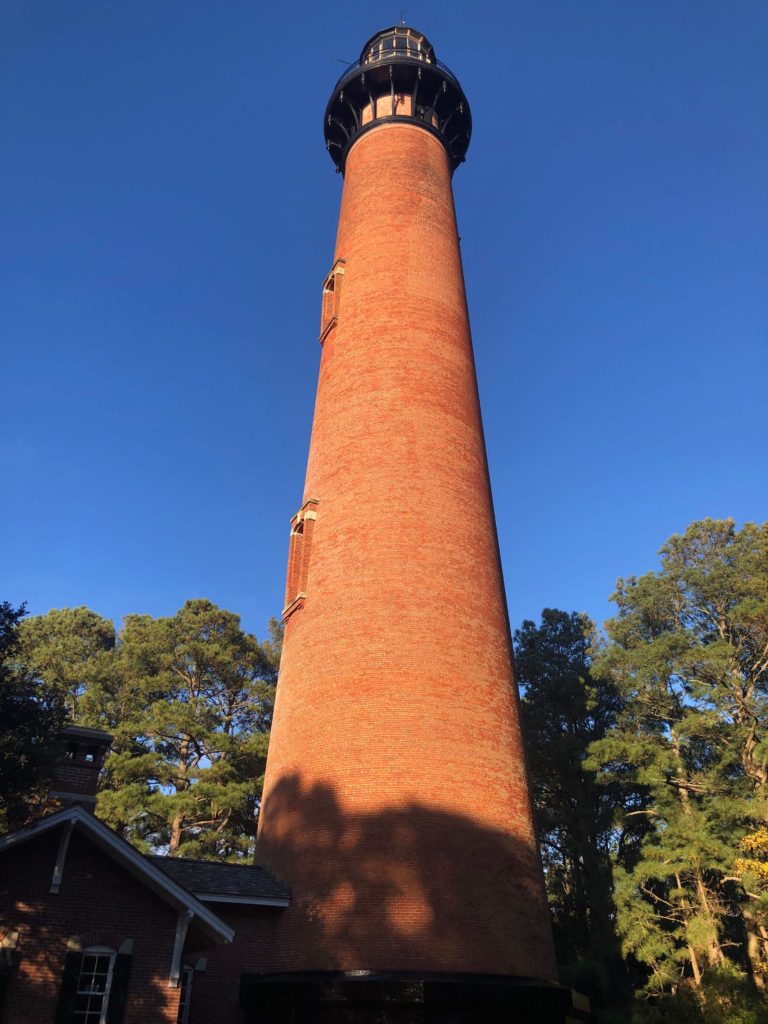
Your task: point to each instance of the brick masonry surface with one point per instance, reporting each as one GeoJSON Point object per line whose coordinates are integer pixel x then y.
{"type": "Point", "coordinates": [216, 993]}
{"type": "Point", "coordinates": [396, 800]}
{"type": "Point", "coordinates": [101, 904]}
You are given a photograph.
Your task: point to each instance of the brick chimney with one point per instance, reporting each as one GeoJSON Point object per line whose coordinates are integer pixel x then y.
{"type": "Point", "coordinates": [80, 760]}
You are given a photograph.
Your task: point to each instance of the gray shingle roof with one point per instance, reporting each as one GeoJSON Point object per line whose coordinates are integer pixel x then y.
{"type": "Point", "coordinates": [204, 877]}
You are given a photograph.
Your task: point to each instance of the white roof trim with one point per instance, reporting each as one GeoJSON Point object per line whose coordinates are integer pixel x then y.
{"type": "Point", "coordinates": [131, 860]}
{"type": "Point", "coordinates": [251, 901]}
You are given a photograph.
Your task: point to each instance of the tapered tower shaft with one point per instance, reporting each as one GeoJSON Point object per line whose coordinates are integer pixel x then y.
{"type": "Point", "coordinates": [396, 801]}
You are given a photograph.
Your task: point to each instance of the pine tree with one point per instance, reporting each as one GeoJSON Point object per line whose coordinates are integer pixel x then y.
{"type": "Point", "coordinates": [70, 651]}
{"type": "Point", "coordinates": [188, 700]}
{"type": "Point", "coordinates": [688, 652]}
{"type": "Point", "coordinates": [30, 717]}
{"type": "Point", "coordinates": [187, 776]}
{"type": "Point", "coordinates": [565, 707]}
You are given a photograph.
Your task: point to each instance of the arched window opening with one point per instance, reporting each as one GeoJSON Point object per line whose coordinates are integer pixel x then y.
{"type": "Point", "coordinates": [299, 552]}
{"type": "Point", "coordinates": [331, 299]}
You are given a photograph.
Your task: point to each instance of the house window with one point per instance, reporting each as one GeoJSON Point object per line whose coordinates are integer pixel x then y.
{"type": "Point", "coordinates": [331, 299]}
{"type": "Point", "coordinates": [94, 981]}
{"type": "Point", "coordinates": [185, 997]}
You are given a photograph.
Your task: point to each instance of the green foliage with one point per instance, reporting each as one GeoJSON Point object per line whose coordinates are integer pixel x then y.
{"type": "Point", "coordinates": [688, 654]}
{"type": "Point", "coordinates": [564, 709]}
{"type": "Point", "coordinates": [30, 717]}
{"type": "Point", "coordinates": [69, 651]}
{"type": "Point", "coordinates": [188, 699]}
{"type": "Point", "coordinates": [649, 764]}
{"type": "Point", "coordinates": [725, 997]}
{"type": "Point", "coordinates": [205, 692]}
{"type": "Point", "coordinates": [648, 754]}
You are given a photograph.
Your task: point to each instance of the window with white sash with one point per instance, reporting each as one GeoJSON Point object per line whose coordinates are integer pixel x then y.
{"type": "Point", "coordinates": [91, 996]}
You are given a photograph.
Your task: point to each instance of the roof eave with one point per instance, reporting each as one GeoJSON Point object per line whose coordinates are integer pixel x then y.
{"type": "Point", "coordinates": [133, 861]}
{"type": "Point", "coordinates": [250, 901]}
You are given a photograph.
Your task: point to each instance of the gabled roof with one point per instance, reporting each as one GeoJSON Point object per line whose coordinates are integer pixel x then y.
{"type": "Point", "coordinates": [141, 867]}
{"type": "Point", "coordinates": [225, 883]}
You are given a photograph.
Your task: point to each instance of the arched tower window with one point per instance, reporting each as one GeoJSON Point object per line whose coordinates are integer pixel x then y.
{"type": "Point", "coordinates": [299, 551]}
{"type": "Point", "coordinates": [331, 299]}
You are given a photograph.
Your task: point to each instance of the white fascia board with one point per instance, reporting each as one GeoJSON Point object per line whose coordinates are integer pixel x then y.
{"type": "Point", "coordinates": [132, 860]}
{"type": "Point", "coordinates": [21, 835]}
{"type": "Point", "coordinates": [248, 901]}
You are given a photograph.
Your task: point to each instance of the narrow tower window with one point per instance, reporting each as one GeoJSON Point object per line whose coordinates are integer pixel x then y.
{"type": "Point", "coordinates": [331, 299]}
{"type": "Point", "coordinates": [299, 551]}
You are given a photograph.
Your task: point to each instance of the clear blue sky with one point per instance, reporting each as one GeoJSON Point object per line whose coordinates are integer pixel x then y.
{"type": "Point", "coordinates": [169, 215]}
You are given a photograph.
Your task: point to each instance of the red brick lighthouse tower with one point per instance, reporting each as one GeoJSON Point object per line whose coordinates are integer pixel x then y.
{"type": "Point", "coordinates": [396, 802]}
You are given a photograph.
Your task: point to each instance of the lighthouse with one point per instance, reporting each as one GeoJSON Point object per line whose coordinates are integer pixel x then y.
{"type": "Point", "coordinates": [396, 802]}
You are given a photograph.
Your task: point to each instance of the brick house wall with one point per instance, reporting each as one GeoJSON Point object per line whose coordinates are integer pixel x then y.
{"type": "Point", "coordinates": [216, 992]}
{"type": "Point", "coordinates": [100, 903]}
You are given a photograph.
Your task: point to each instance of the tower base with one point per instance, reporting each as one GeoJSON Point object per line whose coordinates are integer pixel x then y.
{"type": "Point", "coordinates": [381, 997]}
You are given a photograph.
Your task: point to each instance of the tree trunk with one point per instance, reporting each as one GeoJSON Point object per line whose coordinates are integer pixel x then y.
{"type": "Point", "coordinates": [180, 784]}
{"type": "Point", "coordinates": [714, 950]}
{"type": "Point", "coordinates": [756, 943]}
{"type": "Point", "coordinates": [691, 951]}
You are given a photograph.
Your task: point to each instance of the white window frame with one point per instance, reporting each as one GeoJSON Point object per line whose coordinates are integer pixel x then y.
{"type": "Point", "coordinates": [185, 998]}
{"type": "Point", "coordinates": [77, 1015]}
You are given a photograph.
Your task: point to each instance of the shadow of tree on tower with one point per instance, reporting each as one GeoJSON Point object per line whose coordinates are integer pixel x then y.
{"type": "Point", "coordinates": [409, 888]}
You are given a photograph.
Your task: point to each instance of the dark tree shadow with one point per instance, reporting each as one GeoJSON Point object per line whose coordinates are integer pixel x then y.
{"type": "Point", "coordinates": [414, 888]}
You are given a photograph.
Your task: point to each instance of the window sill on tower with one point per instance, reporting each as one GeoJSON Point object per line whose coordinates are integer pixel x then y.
{"type": "Point", "coordinates": [296, 604]}
{"type": "Point", "coordinates": [328, 328]}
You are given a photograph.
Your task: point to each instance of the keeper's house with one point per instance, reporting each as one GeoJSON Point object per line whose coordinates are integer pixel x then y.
{"type": "Point", "coordinates": [94, 932]}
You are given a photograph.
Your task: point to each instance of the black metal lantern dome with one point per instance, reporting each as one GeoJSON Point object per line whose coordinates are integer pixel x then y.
{"type": "Point", "coordinates": [397, 78]}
